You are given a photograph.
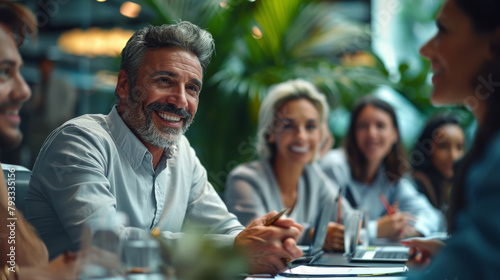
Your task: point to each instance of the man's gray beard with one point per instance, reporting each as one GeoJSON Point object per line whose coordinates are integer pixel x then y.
{"type": "Point", "coordinates": [143, 125]}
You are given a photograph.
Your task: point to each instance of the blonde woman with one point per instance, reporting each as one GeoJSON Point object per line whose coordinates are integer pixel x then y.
{"type": "Point", "coordinates": [289, 136]}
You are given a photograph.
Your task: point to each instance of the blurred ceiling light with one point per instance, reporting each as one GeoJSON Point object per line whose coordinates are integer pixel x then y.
{"type": "Point", "coordinates": [256, 33]}
{"type": "Point", "coordinates": [94, 41]}
{"type": "Point", "coordinates": [223, 4]}
{"type": "Point", "coordinates": [130, 9]}
{"type": "Point", "coordinates": [101, 0]}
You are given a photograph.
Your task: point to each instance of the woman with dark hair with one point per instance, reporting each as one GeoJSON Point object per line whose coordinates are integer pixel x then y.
{"type": "Point", "coordinates": [465, 59]}
{"type": "Point", "coordinates": [439, 146]}
{"type": "Point", "coordinates": [370, 168]}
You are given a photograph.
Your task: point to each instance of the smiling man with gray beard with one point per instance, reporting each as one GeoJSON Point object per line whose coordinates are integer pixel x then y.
{"type": "Point", "coordinates": [136, 159]}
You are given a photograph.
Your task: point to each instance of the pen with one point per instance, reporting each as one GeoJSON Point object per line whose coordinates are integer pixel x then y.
{"type": "Point", "coordinates": [339, 206]}
{"type": "Point", "coordinates": [386, 204]}
{"type": "Point", "coordinates": [271, 222]}
{"type": "Point", "coordinates": [276, 217]}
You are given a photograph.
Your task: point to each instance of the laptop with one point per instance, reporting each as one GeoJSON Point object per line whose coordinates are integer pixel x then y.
{"type": "Point", "coordinates": [387, 254]}
{"type": "Point", "coordinates": [315, 249]}
{"type": "Point", "coordinates": [393, 254]}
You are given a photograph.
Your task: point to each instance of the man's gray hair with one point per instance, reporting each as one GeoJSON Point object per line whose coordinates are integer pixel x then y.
{"type": "Point", "coordinates": [276, 98]}
{"type": "Point", "coordinates": [184, 35]}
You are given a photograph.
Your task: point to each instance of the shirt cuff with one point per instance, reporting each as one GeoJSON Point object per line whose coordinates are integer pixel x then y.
{"type": "Point", "coordinates": [217, 240]}
{"type": "Point", "coordinates": [422, 229]}
{"type": "Point", "coordinates": [222, 240]}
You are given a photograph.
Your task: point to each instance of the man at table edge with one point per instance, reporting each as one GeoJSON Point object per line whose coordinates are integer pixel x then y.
{"type": "Point", "coordinates": [136, 159]}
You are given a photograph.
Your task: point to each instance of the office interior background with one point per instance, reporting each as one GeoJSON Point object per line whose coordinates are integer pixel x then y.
{"type": "Point", "coordinates": [346, 48]}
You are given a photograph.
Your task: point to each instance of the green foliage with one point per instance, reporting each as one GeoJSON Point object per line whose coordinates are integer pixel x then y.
{"type": "Point", "coordinates": [197, 257]}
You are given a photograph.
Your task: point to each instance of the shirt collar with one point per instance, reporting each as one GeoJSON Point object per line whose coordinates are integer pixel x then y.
{"type": "Point", "coordinates": [132, 148]}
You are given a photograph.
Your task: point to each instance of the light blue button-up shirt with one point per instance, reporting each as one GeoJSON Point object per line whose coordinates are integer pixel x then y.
{"type": "Point", "coordinates": [94, 165]}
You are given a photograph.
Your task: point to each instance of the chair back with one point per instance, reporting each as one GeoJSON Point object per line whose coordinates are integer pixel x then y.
{"type": "Point", "coordinates": [19, 177]}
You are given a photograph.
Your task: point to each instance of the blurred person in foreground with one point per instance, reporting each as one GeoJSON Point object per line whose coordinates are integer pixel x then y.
{"type": "Point", "coordinates": [290, 130]}
{"type": "Point", "coordinates": [22, 252]}
{"type": "Point", "coordinates": [371, 164]}
{"type": "Point", "coordinates": [465, 59]}
{"type": "Point", "coordinates": [136, 159]}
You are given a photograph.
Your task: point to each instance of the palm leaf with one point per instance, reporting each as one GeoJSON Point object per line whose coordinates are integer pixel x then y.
{"type": "Point", "coordinates": [195, 11]}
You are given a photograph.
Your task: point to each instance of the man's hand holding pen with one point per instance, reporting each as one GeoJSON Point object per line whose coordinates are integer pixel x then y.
{"type": "Point", "coordinates": [266, 246]}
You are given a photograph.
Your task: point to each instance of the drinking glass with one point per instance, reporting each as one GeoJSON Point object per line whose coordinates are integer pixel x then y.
{"type": "Point", "coordinates": [101, 246]}
{"type": "Point", "coordinates": [141, 255]}
{"type": "Point", "coordinates": [352, 226]}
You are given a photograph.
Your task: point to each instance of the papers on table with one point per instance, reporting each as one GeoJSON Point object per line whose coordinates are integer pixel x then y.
{"type": "Point", "coordinates": [340, 278]}
{"type": "Point", "coordinates": [328, 278]}
{"type": "Point", "coordinates": [323, 271]}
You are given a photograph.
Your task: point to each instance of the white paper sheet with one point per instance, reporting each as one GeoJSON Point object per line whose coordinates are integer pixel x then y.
{"type": "Point", "coordinates": [339, 271]}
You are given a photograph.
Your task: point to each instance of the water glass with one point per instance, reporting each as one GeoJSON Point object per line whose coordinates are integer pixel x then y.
{"type": "Point", "coordinates": [352, 227]}
{"type": "Point", "coordinates": [101, 246]}
{"type": "Point", "coordinates": [141, 256]}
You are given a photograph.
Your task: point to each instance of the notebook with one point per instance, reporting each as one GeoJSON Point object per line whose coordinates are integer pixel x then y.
{"type": "Point", "coordinates": [315, 248]}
